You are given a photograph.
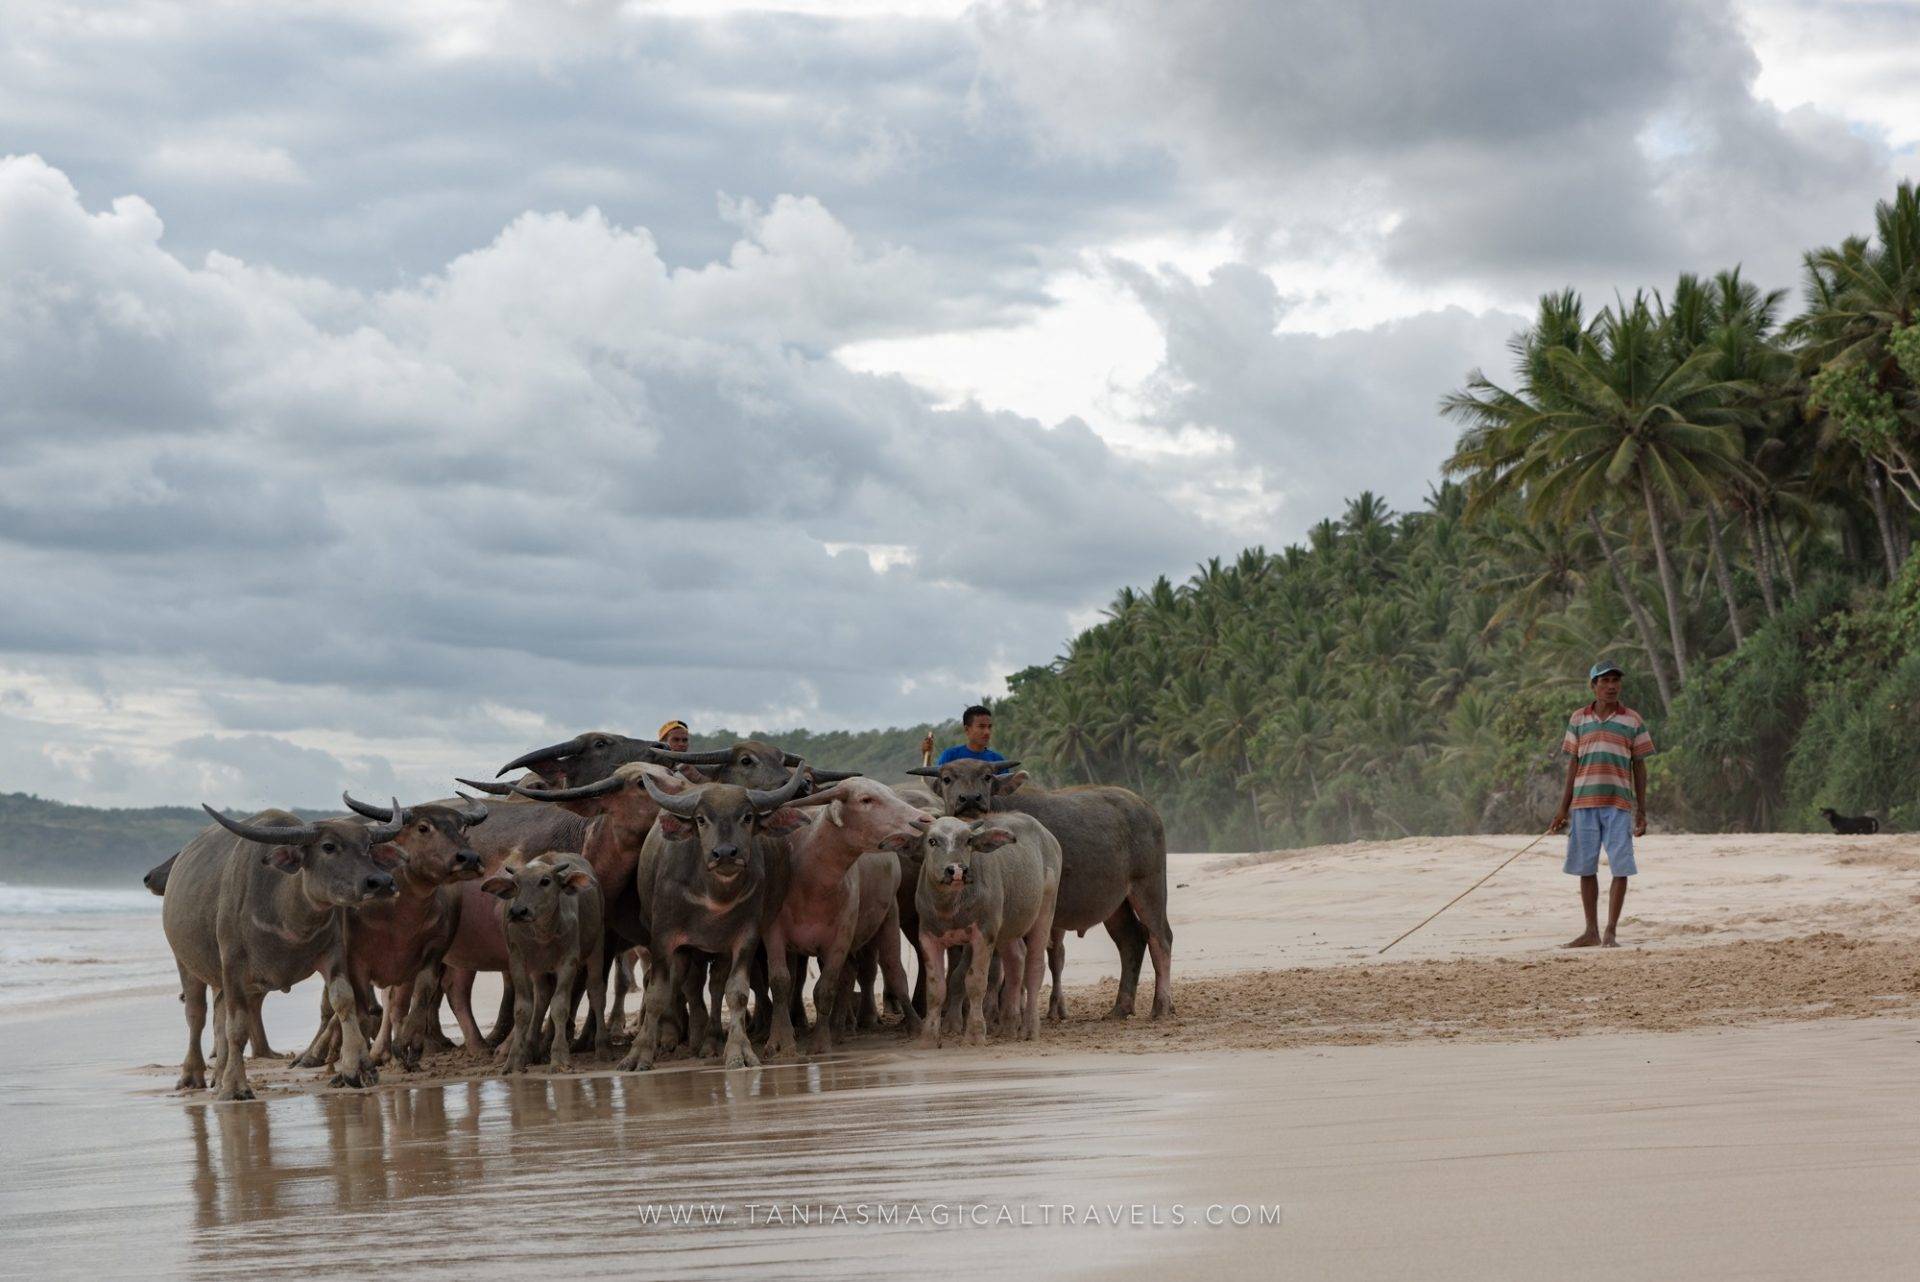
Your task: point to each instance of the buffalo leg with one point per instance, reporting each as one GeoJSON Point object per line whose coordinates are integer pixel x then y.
{"type": "Point", "coordinates": [886, 949]}
{"type": "Point", "coordinates": [423, 1004]}
{"type": "Point", "coordinates": [739, 1049]}
{"type": "Point", "coordinates": [257, 1028]}
{"type": "Point", "coordinates": [826, 991]}
{"type": "Point", "coordinates": [503, 1021]}
{"type": "Point", "coordinates": [933, 965]}
{"type": "Point", "coordinates": [232, 1014]}
{"type": "Point", "coordinates": [1131, 939]}
{"type": "Point", "coordinates": [780, 1038]}
{"type": "Point", "coordinates": [1056, 962]}
{"type": "Point", "coordinates": [560, 1010]}
{"type": "Point", "coordinates": [977, 991]}
{"type": "Point", "coordinates": [460, 997]}
{"type": "Point", "coordinates": [660, 979]}
{"type": "Point", "coordinates": [1150, 906]}
{"type": "Point", "coordinates": [596, 967]}
{"type": "Point", "coordinates": [193, 1069]}
{"type": "Point", "coordinates": [354, 1067]}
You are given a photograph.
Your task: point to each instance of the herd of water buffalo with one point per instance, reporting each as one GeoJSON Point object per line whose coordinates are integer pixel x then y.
{"type": "Point", "coordinates": [724, 873]}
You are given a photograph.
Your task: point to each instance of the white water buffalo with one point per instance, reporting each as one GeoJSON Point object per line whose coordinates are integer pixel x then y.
{"type": "Point", "coordinates": [990, 885]}
{"type": "Point", "coordinates": [262, 905]}
{"type": "Point", "coordinates": [1114, 866]}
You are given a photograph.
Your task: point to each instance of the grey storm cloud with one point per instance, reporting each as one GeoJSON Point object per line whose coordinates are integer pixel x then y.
{"type": "Point", "coordinates": [1494, 141]}
{"type": "Point", "coordinates": [556, 484]}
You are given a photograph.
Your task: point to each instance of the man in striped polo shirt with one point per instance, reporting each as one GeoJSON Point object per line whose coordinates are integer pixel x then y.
{"type": "Point", "coordinates": [1605, 801]}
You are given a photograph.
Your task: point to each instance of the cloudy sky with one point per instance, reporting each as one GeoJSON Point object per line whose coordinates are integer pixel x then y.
{"type": "Point", "coordinates": [386, 389]}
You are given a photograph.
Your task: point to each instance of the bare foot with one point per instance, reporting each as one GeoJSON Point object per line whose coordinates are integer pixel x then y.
{"type": "Point", "coordinates": [1589, 940]}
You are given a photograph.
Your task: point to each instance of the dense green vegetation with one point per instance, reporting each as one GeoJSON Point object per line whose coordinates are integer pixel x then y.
{"type": "Point", "coordinates": [45, 842]}
{"type": "Point", "coordinates": [1718, 498]}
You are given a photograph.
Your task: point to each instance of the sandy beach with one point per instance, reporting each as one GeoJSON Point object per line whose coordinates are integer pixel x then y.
{"type": "Point", "coordinates": [1731, 1090]}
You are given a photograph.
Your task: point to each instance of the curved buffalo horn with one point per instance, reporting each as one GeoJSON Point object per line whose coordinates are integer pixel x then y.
{"type": "Point", "coordinates": [1001, 767]}
{"type": "Point", "coordinates": [474, 815]}
{"type": "Point", "coordinates": [835, 776]}
{"type": "Point", "coordinates": [931, 772]}
{"type": "Point", "coordinates": [678, 804]}
{"type": "Point", "coordinates": [598, 788]}
{"type": "Point", "coordinates": [762, 802]}
{"type": "Point", "coordinates": [547, 753]}
{"type": "Point", "coordinates": [487, 786]}
{"type": "Point", "coordinates": [362, 808]}
{"type": "Point", "coordinates": [388, 831]}
{"type": "Point", "coordinates": [263, 834]}
{"type": "Point", "coordinates": [791, 760]}
{"type": "Point", "coordinates": [713, 757]}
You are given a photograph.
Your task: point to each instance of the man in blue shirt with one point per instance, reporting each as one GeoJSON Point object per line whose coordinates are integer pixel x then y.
{"type": "Point", "coordinates": [977, 723]}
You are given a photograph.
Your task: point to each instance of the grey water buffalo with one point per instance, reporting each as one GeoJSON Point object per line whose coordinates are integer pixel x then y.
{"type": "Point", "coordinates": [1114, 866]}
{"type": "Point", "coordinates": [398, 944]}
{"type": "Point", "coordinates": [990, 885]}
{"type": "Point", "coordinates": [551, 916]}
{"type": "Point", "coordinates": [820, 915]}
{"type": "Point", "coordinates": [512, 834]}
{"type": "Point", "coordinates": [259, 904]}
{"type": "Point", "coordinates": [719, 876]}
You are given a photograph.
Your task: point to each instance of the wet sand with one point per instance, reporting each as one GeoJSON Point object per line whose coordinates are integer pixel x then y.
{"type": "Point", "coordinates": [1733, 1095]}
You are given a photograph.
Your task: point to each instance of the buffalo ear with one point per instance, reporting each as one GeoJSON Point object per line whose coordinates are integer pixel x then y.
{"type": "Point", "coordinates": [501, 885]}
{"type": "Point", "coordinates": [576, 881]}
{"type": "Point", "coordinates": [288, 859]}
{"type": "Point", "coordinates": [786, 820]}
{"type": "Point", "coordinates": [387, 855]}
{"type": "Point", "coordinates": [1010, 782]}
{"type": "Point", "coordinates": [836, 813]}
{"type": "Point", "coordinates": [990, 839]}
{"type": "Point", "coordinates": [673, 825]}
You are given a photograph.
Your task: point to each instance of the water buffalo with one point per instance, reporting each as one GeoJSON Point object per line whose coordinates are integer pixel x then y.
{"type": "Point", "coordinates": [260, 903]}
{"type": "Point", "coordinates": [820, 916]}
{"type": "Point", "coordinates": [989, 885]}
{"type": "Point", "coordinates": [596, 754]}
{"type": "Point", "coordinates": [398, 944]}
{"type": "Point", "coordinates": [552, 921]}
{"type": "Point", "coordinates": [1114, 866]}
{"type": "Point", "coordinates": [719, 876]}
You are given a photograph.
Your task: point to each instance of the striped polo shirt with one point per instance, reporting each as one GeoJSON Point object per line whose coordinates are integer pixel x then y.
{"type": "Point", "coordinates": [1605, 748]}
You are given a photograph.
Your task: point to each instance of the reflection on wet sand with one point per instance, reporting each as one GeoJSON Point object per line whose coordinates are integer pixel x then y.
{"type": "Point", "coordinates": [552, 1169]}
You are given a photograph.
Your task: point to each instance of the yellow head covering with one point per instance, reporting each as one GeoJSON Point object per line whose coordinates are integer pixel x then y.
{"type": "Point", "coordinates": [671, 725]}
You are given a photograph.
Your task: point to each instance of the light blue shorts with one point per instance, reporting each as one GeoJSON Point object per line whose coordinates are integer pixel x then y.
{"type": "Point", "coordinates": [1590, 828]}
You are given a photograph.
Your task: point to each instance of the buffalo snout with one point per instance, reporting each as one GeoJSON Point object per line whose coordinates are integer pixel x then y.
{"type": "Point", "coordinates": [519, 912]}
{"type": "Point", "coordinates": [466, 862]}
{"type": "Point", "coordinates": [378, 885]}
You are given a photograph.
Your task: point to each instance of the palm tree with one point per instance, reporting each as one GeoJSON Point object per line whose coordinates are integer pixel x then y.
{"type": "Point", "coordinates": [1626, 415]}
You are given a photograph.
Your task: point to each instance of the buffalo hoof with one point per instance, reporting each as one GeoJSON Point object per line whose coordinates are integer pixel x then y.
{"type": "Point", "coordinates": [913, 1023]}
{"type": "Point", "coordinates": [819, 1044]}
{"type": "Point", "coordinates": [561, 1063]}
{"type": "Point", "coordinates": [191, 1082]}
{"type": "Point", "coordinates": [355, 1081]}
{"type": "Point", "coordinates": [238, 1094]}
{"type": "Point", "coordinates": [711, 1048]}
{"type": "Point", "coordinates": [743, 1058]}
{"type": "Point", "coordinates": [929, 1038]}
{"type": "Point", "coordinates": [634, 1064]}
{"type": "Point", "coordinates": [1120, 1012]}
{"type": "Point", "coordinates": [976, 1037]}
{"type": "Point", "coordinates": [408, 1057]}
{"type": "Point", "coordinates": [1162, 1008]}
{"type": "Point", "coordinates": [782, 1046]}
{"type": "Point", "coordinates": [309, 1061]}
{"type": "Point", "coordinates": [271, 1053]}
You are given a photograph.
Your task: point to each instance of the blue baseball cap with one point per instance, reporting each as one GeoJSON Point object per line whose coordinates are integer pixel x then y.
{"type": "Point", "coordinates": [1601, 669]}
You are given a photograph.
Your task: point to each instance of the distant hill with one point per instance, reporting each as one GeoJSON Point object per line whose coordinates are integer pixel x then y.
{"type": "Point", "coordinates": [49, 843]}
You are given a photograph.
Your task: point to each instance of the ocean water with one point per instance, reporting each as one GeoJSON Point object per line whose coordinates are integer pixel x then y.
{"type": "Point", "coordinates": [62, 944]}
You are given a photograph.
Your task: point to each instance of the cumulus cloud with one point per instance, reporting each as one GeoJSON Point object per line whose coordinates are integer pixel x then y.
{"type": "Point", "coordinates": [1496, 141]}
{"type": "Point", "coordinates": [558, 482]}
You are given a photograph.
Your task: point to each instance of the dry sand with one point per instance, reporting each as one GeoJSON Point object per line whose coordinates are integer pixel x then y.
{"type": "Point", "coordinates": [1732, 1090]}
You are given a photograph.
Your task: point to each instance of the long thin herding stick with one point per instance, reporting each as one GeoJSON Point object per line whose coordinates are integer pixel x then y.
{"type": "Point", "coordinates": [1476, 885]}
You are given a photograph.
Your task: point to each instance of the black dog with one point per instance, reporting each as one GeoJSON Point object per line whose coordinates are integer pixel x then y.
{"type": "Point", "coordinates": [1846, 827]}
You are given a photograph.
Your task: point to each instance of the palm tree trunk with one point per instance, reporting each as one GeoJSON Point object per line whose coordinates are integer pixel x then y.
{"type": "Point", "coordinates": [1724, 574]}
{"type": "Point", "coordinates": [1770, 525]}
{"type": "Point", "coordinates": [1675, 620]}
{"type": "Point", "coordinates": [1641, 622]}
{"type": "Point", "coordinates": [1253, 801]}
{"type": "Point", "coordinates": [1762, 567]}
{"type": "Point", "coordinates": [1884, 519]}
